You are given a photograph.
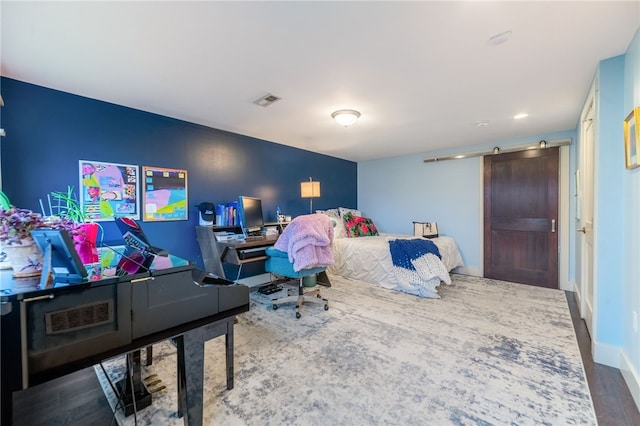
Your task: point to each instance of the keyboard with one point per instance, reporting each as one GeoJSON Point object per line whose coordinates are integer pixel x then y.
{"type": "Point", "coordinates": [269, 289]}
{"type": "Point", "coordinates": [249, 253]}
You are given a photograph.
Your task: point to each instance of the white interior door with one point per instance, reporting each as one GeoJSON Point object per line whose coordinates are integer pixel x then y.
{"type": "Point", "coordinates": [586, 217]}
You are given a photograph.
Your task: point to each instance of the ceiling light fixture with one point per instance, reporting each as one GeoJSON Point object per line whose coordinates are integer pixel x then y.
{"type": "Point", "coordinates": [520, 116]}
{"type": "Point", "coordinates": [483, 123]}
{"type": "Point", "coordinates": [346, 117]}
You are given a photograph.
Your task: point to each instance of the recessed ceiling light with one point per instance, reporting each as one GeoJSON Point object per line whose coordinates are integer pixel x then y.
{"type": "Point", "coordinates": [521, 115]}
{"type": "Point", "coordinates": [500, 38]}
{"type": "Point", "coordinates": [483, 123]}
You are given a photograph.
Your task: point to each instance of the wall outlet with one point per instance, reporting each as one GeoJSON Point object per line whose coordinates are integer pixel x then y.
{"type": "Point", "coordinates": [635, 322]}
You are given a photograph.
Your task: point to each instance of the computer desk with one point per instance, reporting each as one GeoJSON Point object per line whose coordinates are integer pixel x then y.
{"type": "Point", "coordinates": [236, 252]}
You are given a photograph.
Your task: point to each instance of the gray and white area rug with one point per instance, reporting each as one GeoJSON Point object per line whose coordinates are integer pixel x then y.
{"type": "Point", "coordinates": [486, 353]}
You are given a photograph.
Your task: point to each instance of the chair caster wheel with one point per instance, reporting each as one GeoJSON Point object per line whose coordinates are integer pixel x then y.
{"type": "Point", "coordinates": [318, 296]}
{"type": "Point", "coordinates": [326, 307]}
{"type": "Point", "coordinates": [298, 315]}
{"type": "Point", "coordinates": [275, 307]}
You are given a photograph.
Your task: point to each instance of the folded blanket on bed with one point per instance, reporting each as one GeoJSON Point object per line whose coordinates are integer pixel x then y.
{"type": "Point", "coordinates": [307, 240]}
{"type": "Point", "coordinates": [418, 267]}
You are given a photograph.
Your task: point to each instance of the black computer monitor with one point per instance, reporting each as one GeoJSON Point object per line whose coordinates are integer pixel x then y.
{"type": "Point", "coordinates": [250, 210]}
{"type": "Point", "coordinates": [60, 256]}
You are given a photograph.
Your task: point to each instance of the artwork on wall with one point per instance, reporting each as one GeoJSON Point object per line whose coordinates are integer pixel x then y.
{"type": "Point", "coordinates": [109, 190]}
{"type": "Point", "coordinates": [632, 139]}
{"type": "Point", "coordinates": [164, 194]}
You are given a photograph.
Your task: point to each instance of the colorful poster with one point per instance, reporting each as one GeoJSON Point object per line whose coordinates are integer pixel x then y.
{"type": "Point", "coordinates": [164, 194]}
{"type": "Point", "coordinates": [109, 190]}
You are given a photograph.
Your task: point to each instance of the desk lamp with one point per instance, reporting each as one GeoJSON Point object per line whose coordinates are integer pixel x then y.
{"type": "Point", "coordinates": [310, 190]}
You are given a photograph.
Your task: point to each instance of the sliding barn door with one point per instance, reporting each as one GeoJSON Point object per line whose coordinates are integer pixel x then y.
{"type": "Point", "coordinates": [521, 217]}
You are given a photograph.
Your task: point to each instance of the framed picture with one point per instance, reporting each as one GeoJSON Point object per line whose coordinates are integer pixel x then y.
{"type": "Point", "coordinates": [632, 139]}
{"type": "Point", "coordinates": [164, 194]}
{"type": "Point", "coordinates": [109, 190]}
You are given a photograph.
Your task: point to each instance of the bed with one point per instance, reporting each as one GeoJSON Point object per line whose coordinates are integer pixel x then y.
{"type": "Point", "coordinates": [368, 258]}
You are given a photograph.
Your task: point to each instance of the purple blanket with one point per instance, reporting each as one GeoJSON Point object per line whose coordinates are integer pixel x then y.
{"type": "Point", "coordinates": [307, 240]}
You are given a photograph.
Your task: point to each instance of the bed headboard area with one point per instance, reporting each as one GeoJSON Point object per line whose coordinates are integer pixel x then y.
{"type": "Point", "coordinates": [350, 223]}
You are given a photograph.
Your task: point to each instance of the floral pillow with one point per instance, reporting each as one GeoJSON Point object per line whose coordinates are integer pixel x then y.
{"type": "Point", "coordinates": [358, 226]}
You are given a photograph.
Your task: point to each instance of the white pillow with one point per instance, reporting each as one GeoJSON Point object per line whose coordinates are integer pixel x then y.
{"type": "Point", "coordinates": [338, 228]}
{"type": "Point", "coordinates": [344, 210]}
{"type": "Point", "coordinates": [336, 221]}
{"type": "Point", "coordinates": [330, 212]}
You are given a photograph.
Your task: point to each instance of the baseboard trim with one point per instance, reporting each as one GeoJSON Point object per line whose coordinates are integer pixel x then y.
{"type": "Point", "coordinates": [478, 272]}
{"type": "Point", "coordinates": [463, 270]}
{"type": "Point", "coordinates": [578, 295]}
{"type": "Point", "coordinates": [631, 377]}
{"type": "Point", "coordinates": [606, 354]}
{"type": "Point", "coordinates": [568, 285]}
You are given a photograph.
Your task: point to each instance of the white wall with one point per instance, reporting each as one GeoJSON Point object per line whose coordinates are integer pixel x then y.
{"type": "Point", "coordinates": [397, 191]}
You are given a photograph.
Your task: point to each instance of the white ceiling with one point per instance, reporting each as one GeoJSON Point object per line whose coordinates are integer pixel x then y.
{"type": "Point", "coordinates": [421, 73]}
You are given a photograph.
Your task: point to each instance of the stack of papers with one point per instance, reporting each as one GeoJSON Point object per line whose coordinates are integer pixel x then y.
{"type": "Point", "coordinates": [270, 230]}
{"type": "Point", "coordinates": [224, 236]}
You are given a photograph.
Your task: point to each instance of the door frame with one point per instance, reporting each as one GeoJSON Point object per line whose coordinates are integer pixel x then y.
{"type": "Point", "coordinates": [587, 311]}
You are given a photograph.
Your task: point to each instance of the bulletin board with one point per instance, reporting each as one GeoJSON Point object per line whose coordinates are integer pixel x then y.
{"type": "Point", "coordinates": [109, 190]}
{"type": "Point", "coordinates": [164, 194]}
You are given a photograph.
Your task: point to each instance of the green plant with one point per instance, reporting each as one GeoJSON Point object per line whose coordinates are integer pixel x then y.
{"type": "Point", "coordinates": [67, 206]}
{"type": "Point", "coordinates": [4, 201]}
{"type": "Point", "coordinates": [16, 223]}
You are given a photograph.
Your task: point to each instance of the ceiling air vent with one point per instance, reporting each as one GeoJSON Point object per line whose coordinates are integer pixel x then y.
{"type": "Point", "coordinates": [266, 100]}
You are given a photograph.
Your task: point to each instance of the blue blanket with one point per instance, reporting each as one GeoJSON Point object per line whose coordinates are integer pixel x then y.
{"type": "Point", "coordinates": [418, 267]}
{"type": "Point", "coordinates": [404, 251]}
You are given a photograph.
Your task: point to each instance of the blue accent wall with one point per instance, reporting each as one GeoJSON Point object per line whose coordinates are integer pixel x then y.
{"type": "Point", "coordinates": [48, 131]}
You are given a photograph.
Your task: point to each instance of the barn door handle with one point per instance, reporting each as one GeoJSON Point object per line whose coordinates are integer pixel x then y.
{"type": "Point", "coordinates": [553, 225]}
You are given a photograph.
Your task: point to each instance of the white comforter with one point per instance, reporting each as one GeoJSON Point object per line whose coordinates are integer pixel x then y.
{"type": "Point", "coordinates": [369, 259]}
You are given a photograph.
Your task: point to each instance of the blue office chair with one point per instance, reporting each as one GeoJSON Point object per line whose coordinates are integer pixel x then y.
{"type": "Point", "coordinates": [278, 263]}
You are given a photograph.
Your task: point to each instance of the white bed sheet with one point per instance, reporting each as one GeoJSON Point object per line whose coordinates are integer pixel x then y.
{"type": "Point", "coordinates": [369, 259]}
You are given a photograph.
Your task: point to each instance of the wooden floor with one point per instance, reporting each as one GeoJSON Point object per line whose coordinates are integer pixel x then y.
{"type": "Point", "coordinates": [77, 399]}
{"type": "Point", "coordinates": [611, 397]}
